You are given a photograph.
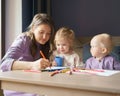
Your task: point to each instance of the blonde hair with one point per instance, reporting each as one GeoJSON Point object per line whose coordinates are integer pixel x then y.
{"type": "Point", "coordinates": [105, 40]}
{"type": "Point", "coordinates": [65, 33]}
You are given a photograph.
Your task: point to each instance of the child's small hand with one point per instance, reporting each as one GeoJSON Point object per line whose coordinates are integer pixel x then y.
{"type": "Point", "coordinates": [54, 63]}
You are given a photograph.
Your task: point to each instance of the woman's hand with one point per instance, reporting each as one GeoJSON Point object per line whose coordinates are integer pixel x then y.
{"type": "Point", "coordinates": [40, 64]}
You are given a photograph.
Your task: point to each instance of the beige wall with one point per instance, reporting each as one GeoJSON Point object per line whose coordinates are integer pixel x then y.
{"type": "Point", "coordinates": [13, 24]}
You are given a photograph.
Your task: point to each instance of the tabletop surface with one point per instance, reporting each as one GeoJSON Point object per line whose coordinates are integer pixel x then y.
{"type": "Point", "coordinates": [81, 81]}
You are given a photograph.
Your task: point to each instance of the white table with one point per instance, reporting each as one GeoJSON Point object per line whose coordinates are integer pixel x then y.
{"type": "Point", "coordinates": [61, 84]}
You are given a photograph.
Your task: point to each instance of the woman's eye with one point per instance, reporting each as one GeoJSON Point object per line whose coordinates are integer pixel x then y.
{"type": "Point", "coordinates": [40, 32]}
{"type": "Point", "coordinates": [49, 34]}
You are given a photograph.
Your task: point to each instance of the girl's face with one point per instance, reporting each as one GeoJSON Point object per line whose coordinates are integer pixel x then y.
{"type": "Point", "coordinates": [96, 50]}
{"type": "Point", "coordinates": [42, 33]}
{"type": "Point", "coordinates": [63, 46]}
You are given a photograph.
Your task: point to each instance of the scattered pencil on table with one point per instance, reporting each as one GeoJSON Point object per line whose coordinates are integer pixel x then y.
{"type": "Point", "coordinates": [59, 71]}
{"type": "Point", "coordinates": [32, 71]}
{"type": "Point", "coordinates": [71, 69]}
{"type": "Point", "coordinates": [55, 72]}
{"type": "Point", "coordinates": [97, 70]}
{"type": "Point", "coordinates": [70, 73]}
{"type": "Point", "coordinates": [41, 53]}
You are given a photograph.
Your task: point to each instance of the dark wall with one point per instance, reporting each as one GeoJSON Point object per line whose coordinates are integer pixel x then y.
{"type": "Point", "coordinates": [27, 13]}
{"type": "Point", "coordinates": [3, 2]}
{"type": "Point", "coordinates": [29, 9]}
{"type": "Point", "coordinates": [87, 17]}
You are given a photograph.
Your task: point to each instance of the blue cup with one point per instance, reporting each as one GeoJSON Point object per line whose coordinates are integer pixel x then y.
{"type": "Point", "coordinates": [59, 60]}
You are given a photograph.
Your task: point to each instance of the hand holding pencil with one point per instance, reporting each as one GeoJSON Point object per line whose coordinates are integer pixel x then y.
{"type": "Point", "coordinates": [46, 63]}
{"type": "Point", "coordinates": [41, 63]}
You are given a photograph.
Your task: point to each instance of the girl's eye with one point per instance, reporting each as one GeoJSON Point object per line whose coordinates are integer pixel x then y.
{"type": "Point", "coordinates": [41, 32]}
{"type": "Point", "coordinates": [58, 44]}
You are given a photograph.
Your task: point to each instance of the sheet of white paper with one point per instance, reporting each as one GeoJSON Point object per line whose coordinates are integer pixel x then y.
{"type": "Point", "coordinates": [97, 72]}
{"type": "Point", "coordinates": [107, 73]}
{"type": "Point", "coordinates": [54, 68]}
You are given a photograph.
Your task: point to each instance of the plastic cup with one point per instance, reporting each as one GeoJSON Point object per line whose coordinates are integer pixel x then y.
{"type": "Point", "coordinates": [59, 60]}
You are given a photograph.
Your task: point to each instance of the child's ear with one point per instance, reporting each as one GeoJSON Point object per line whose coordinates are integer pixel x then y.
{"type": "Point", "coordinates": [104, 50]}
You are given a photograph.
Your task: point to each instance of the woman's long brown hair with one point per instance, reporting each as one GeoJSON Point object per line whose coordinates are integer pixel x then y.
{"type": "Point", "coordinates": [39, 19]}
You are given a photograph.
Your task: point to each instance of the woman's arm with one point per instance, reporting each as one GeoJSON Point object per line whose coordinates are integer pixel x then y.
{"type": "Point", "coordinates": [33, 65]}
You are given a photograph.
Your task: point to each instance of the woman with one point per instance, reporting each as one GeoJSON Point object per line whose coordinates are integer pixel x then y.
{"type": "Point", "coordinates": [24, 53]}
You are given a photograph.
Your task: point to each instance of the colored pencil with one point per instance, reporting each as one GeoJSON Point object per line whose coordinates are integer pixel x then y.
{"type": "Point", "coordinates": [42, 54]}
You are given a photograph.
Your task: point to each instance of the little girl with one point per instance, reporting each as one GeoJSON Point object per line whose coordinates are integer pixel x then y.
{"type": "Point", "coordinates": [63, 41]}
{"type": "Point", "coordinates": [101, 47]}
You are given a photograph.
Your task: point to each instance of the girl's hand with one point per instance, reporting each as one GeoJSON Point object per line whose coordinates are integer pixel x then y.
{"type": "Point", "coordinates": [54, 63]}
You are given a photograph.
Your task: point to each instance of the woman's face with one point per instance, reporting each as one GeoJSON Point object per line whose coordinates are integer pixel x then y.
{"type": "Point", "coordinates": [42, 33]}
